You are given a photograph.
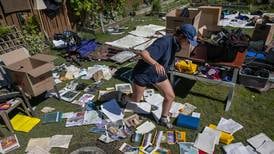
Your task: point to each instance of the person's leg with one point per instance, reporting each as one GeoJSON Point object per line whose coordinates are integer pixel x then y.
{"type": "Point", "coordinates": [169, 96]}
{"type": "Point", "coordinates": [166, 89]}
{"type": "Point", "coordinates": [138, 92]}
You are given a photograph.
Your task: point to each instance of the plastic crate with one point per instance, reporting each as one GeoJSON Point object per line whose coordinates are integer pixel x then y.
{"type": "Point", "coordinates": [252, 81]}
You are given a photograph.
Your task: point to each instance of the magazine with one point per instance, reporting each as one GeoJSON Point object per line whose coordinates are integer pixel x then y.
{"type": "Point", "coordinates": [9, 144]}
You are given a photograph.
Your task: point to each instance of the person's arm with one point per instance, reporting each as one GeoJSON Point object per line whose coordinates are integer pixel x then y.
{"type": "Point", "coordinates": [147, 58]}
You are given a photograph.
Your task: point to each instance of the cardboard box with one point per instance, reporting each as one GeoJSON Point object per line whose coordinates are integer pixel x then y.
{"type": "Point", "coordinates": [209, 17]}
{"type": "Point", "coordinates": [32, 73]}
{"type": "Point", "coordinates": [174, 20]}
{"type": "Point", "coordinates": [263, 32]}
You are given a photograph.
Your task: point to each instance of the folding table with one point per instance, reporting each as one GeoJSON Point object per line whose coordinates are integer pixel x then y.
{"type": "Point", "coordinates": [200, 57]}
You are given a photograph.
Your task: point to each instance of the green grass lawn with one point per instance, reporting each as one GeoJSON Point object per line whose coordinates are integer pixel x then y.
{"type": "Point", "coordinates": [253, 110]}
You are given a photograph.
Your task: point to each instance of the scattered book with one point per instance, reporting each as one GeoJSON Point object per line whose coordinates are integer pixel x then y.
{"type": "Point", "coordinates": [187, 109]}
{"type": "Point", "coordinates": [187, 148]}
{"type": "Point", "coordinates": [9, 144]}
{"type": "Point", "coordinates": [69, 95]}
{"type": "Point", "coordinates": [262, 143]}
{"type": "Point", "coordinates": [76, 120]}
{"type": "Point", "coordinates": [60, 141]}
{"type": "Point", "coordinates": [126, 148]}
{"type": "Point", "coordinates": [23, 123]}
{"type": "Point", "coordinates": [51, 117]}
{"type": "Point", "coordinates": [229, 126]}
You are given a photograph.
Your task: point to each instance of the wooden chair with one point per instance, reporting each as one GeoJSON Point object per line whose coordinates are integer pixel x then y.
{"type": "Point", "coordinates": [20, 100]}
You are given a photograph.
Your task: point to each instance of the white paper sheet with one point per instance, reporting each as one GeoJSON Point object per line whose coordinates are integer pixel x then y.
{"type": "Point", "coordinates": [138, 107]}
{"type": "Point", "coordinates": [61, 141]}
{"type": "Point", "coordinates": [112, 110]}
{"type": "Point", "coordinates": [266, 148]}
{"type": "Point", "coordinates": [229, 126]}
{"type": "Point", "coordinates": [128, 41]}
{"type": "Point", "coordinates": [258, 140]}
{"type": "Point", "coordinates": [37, 150]}
{"type": "Point", "coordinates": [146, 127]}
{"type": "Point", "coordinates": [229, 148]}
{"type": "Point", "coordinates": [147, 30]}
{"type": "Point", "coordinates": [213, 132]}
{"type": "Point", "coordinates": [155, 99]}
{"type": "Point", "coordinates": [205, 143]}
{"type": "Point", "coordinates": [43, 143]}
{"type": "Point", "coordinates": [250, 149]}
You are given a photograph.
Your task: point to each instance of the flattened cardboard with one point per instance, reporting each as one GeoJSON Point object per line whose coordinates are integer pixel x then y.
{"type": "Point", "coordinates": [209, 17]}
{"type": "Point", "coordinates": [9, 58]}
{"type": "Point", "coordinates": [263, 32]}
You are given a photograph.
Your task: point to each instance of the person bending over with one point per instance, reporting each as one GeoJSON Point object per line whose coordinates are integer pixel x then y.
{"type": "Point", "coordinates": [156, 60]}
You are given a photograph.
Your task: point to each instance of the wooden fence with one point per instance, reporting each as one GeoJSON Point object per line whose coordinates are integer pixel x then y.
{"type": "Point", "coordinates": [57, 24]}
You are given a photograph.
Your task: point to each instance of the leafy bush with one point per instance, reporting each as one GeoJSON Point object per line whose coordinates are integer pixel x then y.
{"type": "Point", "coordinates": [4, 30]}
{"type": "Point", "coordinates": [156, 6]}
{"type": "Point", "coordinates": [33, 36]}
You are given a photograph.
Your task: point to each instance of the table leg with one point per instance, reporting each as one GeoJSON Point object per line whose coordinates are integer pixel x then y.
{"type": "Point", "coordinates": [57, 92]}
{"type": "Point", "coordinates": [231, 89]}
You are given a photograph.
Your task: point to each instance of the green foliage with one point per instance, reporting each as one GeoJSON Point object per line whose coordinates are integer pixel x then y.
{"type": "Point", "coordinates": [89, 10]}
{"type": "Point", "coordinates": [4, 30]}
{"type": "Point", "coordinates": [156, 6]}
{"type": "Point", "coordinates": [135, 5]}
{"type": "Point", "coordinates": [34, 38]}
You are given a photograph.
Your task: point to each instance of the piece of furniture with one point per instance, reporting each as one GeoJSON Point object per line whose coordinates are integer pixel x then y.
{"type": "Point", "coordinates": [236, 65]}
{"type": "Point", "coordinates": [20, 100]}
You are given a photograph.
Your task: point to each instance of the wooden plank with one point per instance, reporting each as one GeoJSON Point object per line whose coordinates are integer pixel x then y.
{"type": "Point", "coordinates": [2, 17]}
{"type": "Point", "coordinates": [46, 23]}
{"type": "Point", "coordinates": [9, 20]}
{"type": "Point", "coordinates": [15, 19]}
{"type": "Point", "coordinates": [59, 23]}
{"type": "Point", "coordinates": [63, 21]}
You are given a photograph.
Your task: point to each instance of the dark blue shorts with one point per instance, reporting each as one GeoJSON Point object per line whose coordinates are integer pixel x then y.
{"type": "Point", "coordinates": [147, 79]}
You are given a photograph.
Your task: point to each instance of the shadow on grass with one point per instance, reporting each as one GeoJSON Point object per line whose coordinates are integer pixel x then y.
{"type": "Point", "coordinates": [184, 86]}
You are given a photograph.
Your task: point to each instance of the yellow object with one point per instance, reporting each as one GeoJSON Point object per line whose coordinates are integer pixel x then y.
{"type": "Point", "coordinates": [180, 136]}
{"type": "Point", "coordinates": [186, 66]}
{"type": "Point", "coordinates": [23, 123]}
{"type": "Point", "coordinates": [225, 138]}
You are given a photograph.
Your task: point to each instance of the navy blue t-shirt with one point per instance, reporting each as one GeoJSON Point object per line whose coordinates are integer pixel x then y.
{"type": "Point", "coordinates": [163, 51]}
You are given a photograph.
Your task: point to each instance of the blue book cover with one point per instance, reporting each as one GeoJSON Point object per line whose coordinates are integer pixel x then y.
{"type": "Point", "coordinates": [51, 117]}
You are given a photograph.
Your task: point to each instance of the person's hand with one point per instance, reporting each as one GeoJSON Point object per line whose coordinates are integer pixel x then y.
{"type": "Point", "coordinates": [159, 69]}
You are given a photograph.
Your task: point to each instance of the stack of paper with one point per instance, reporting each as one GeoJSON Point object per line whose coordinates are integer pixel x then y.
{"type": "Point", "coordinates": [262, 143]}
{"type": "Point", "coordinates": [112, 110]}
{"type": "Point", "coordinates": [207, 140]}
{"type": "Point", "coordinates": [145, 127]}
{"type": "Point", "coordinates": [228, 125]}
